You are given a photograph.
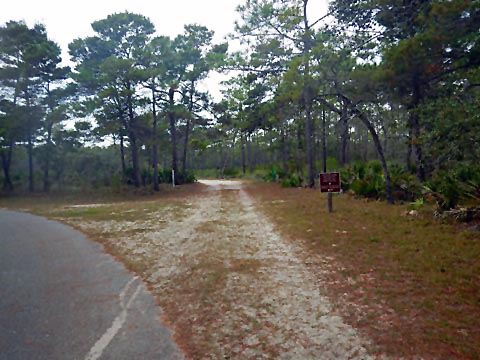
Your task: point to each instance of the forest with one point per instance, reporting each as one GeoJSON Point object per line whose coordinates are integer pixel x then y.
{"type": "Point", "coordinates": [386, 92]}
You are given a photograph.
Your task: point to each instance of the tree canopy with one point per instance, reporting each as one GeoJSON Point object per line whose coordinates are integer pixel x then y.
{"type": "Point", "coordinates": [370, 81]}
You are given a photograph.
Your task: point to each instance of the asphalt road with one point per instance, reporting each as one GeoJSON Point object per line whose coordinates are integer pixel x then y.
{"type": "Point", "coordinates": [62, 297]}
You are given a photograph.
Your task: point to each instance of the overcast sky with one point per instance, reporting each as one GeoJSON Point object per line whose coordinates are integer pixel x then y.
{"type": "Point", "coordinates": [67, 20]}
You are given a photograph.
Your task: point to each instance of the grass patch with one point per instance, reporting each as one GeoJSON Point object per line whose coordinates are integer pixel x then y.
{"type": "Point", "coordinates": [428, 272]}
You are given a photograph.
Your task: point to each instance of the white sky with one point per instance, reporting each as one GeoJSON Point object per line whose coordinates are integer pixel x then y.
{"type": "Point", "coordinates": [67, 20]}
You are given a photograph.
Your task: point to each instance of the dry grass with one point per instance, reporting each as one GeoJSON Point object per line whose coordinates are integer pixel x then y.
{"type": "Point", "coordinates": [41, 203]}
{"type": "Point", "coordinates": [228, 285]}
{"type": "Point", "coordinates": [412, 284]}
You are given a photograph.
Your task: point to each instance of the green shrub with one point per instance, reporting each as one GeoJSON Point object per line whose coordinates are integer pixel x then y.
{"type": "Point", "coordinates": [293, 180]}
{"type": "Point", "coordinates": [371, 186]}
{"type": "Point", "coordinates": [347, 176]}
{"type": "Point", "coordinates": [405, 186]}
{"type": "Point", "coordinates": [189, 177]}
{"type": "Point", "coordinates": [281, 174]}
{"type": "Point", "coordinates": [364, 179]}
{"type": "Point", "coordinates": [417, 204]}
{"type": "Point", "coordinates": [116, 183]}
{"type": "Point", "coordinates": [447, 189]}
{"type": "Point", "coordinates": [231, 172]}
{"type": "Point", "coordinates": [206, 173]}
{"type": "Point", "coordinates": [450, 188]}
{"type": "Point", "coordinates": [270, 175]}
{"type": "Point", "coordinates": [165, 177]}
{"type": "Point", "coordinates": [359, 170]}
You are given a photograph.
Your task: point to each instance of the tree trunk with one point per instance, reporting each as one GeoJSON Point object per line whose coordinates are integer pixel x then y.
{"type": "Point", "coordinates": [31, 180]}
{"type": "Point", "coordinates": [185, 147]}
{"type": "Point", "coordinates": [324, 141]}
{"type": "Point", "coordinates": [284, 151]}
{"type": "Point", "coordinates": [250, 154]}
{"type": "Point", "coordinates": [6, 161]}
{"type": "Point", "coordinates": [345, 135]}
{"type": "Point", "coordinates": [272, 150]}
{"type": "Point", "coordinates": [299, 150]}
{"type": "Point", "coordinates": [307, 97]}
{"type": "Point", "coordinates": [187, 128]}
{"type": "Point", "coordinates": [136, 171]}
{"type": "Point", "coordinates": [385, 138]}
{"type": "Point", "coordinates": [156, 185]}
{"type": "Point", "coordinates": [132, 135]}
{"type": "Point", "coordinates": [122, 154]}
{"type": "Point", "coordinates": [409, 151]}
{"type": "Point", "coordinates": [309, 148]}
{"type": "Point", "coordinates": [7, 158]}
{"type": "Point", "coordinates": [315, 149]}
{"type": "Point", "coordinates": [365, 146]}
{"type": "Point", "coordinates": [381, 155]}
{"type": "Point", "coordinates": [256, 152]}
{"type": "Point", "coordinates": [46, 175]}
{"type": "Point", "coordinates": [378, 147]}
{"type": "Point", "coordinates": [244, 165]}
{"type": "Point", "coordinates": [418, 146]}
{"type": "Point", "coordinates": [49, 148]}
{"type": "Point", "coordinates": [414, 121]}
{"type": "Point", "coordinates": [173, 130]}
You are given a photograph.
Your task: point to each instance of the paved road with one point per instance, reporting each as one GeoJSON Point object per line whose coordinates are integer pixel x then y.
{"type": "Point", "coordinates": [61, 297]}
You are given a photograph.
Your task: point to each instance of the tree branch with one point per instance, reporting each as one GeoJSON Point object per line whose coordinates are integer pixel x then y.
{"type": "Point", "coordinates": [330, 13]}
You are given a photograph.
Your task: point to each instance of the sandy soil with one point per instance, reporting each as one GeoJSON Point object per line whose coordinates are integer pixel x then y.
{"type": "Point", "coordinates": [231, 287]}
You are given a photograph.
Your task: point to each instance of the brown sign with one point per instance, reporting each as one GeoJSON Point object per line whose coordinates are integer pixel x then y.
{"type": "Point", "coordinates": [330, 182]}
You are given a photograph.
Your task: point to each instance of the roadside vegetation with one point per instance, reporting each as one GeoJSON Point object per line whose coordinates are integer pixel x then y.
{"type": "Point", "coordinates": [416, 279]}
{"type": "Point", "coordinates": [389, 92]}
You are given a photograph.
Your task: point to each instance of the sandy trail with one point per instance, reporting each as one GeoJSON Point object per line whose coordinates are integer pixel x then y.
{"type": "Point", "coordinates": [231, 286]}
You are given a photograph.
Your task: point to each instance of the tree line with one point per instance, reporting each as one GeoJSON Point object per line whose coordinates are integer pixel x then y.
{"type": "Point", "coordinates": [393, 81]}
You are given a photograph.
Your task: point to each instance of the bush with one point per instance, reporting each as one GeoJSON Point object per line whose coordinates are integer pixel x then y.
{"type": "Point", "coordinates": [165, 177]}
{"type": "Point", "coordinates": [371, 186]}
{"type": "Point", "coordinates": [270, 175]}
{"type": "Point", "coordinates": [116, 183]}
{"type": "Point", "coordinates": [367, 180]}
{"type": "Point", "coordinates": [405, 186]}
{"type": "Point", "coordinates": [450, 188]}
{"type": "Point", "coordinates": [281, 174]}
{"type": "Point", "coordinates": [231, 172]}
{"type": "Point", "coordinates": [347, 176]}
{"type": "Point", "coordinates": [189, 177]}
{"type": "Point", "coordinates": [364, 179]}
{"type": "Point", "coordinates": [359, 170]}
{"type": "Point", "coordinates": [293, 180]}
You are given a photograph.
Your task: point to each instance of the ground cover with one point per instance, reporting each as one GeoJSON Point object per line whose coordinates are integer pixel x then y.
{"type": "Point", "coordinates": [263, 272]}
{"type": "Point", "coordinates": [229, 285]}
{"type": "Point", "coordinates": [410, 283]}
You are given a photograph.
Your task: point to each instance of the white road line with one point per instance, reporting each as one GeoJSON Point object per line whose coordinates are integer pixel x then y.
{"type": "Point", "coordinates": [97, 349]}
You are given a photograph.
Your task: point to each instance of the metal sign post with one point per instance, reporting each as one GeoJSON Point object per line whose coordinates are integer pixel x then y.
{"type": "Point", "coordinates": [330, 183]}
{"type": "Point", "coordinates": [173, 178]}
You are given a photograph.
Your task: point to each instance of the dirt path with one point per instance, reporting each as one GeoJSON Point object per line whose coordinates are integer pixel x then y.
{"type": "Point", "coordinates": [230, 286]}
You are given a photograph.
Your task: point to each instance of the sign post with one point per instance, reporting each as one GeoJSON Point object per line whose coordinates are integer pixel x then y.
{"type": "Point", "coordinates": [330, 183]}
{"type": "Point", "coordinates": [173, 178]}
